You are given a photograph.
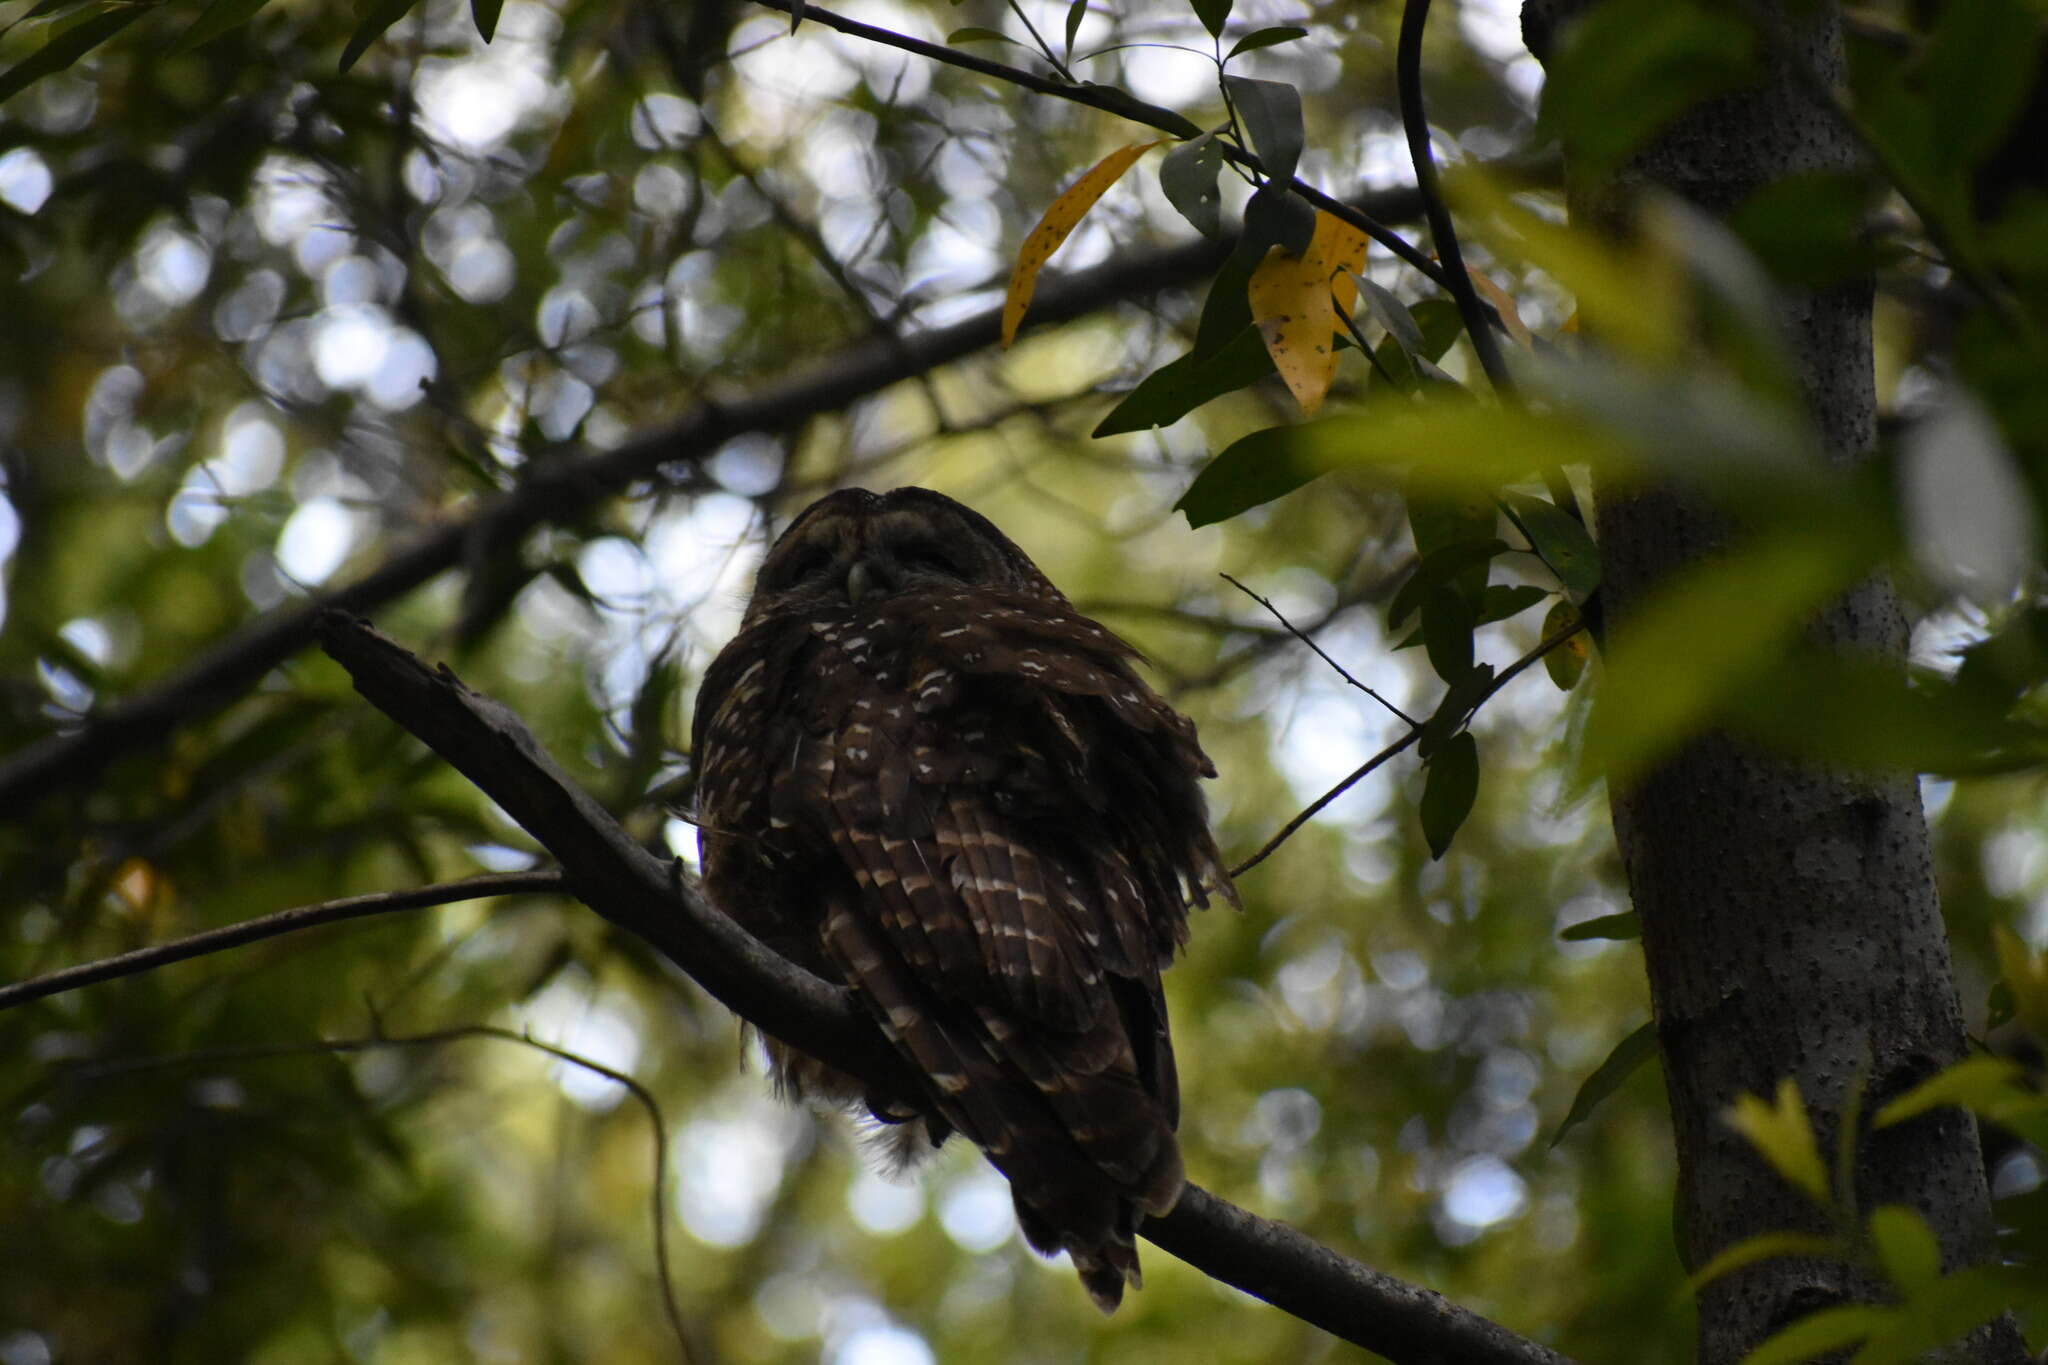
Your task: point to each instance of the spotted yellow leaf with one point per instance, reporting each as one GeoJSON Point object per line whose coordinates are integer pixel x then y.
{"type": "Point", "coordinates": [1066, 211]}
{"type": "Point", "coordinates": [1504, 304]}
{"type": "Point", "coordinates": [1294, 301]}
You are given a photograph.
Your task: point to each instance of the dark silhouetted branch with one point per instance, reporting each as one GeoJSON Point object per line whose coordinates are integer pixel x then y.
{"type": "Point", "coordinates": [273, 926]}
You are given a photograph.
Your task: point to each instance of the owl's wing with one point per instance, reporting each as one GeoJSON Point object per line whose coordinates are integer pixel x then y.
{"type": "Point", "coordinates": [1008, 919]}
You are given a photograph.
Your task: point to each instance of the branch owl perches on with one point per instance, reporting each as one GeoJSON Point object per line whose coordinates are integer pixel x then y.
{"type": "Point", "coordinates": [924, 775]}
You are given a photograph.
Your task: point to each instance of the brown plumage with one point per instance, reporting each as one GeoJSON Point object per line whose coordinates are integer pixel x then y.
{"type": "Point", "coordinates": [925, 775]}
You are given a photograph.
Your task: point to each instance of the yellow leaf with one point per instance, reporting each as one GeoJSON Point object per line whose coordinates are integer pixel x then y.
{"type": "Point", "coordinates": [1504, 304]}
{"type": "Point", "coordinates": [1782, 1136]}
{"type": "Point", "coordinates": [1295, 299]}
{"type": "Point", "coordinates": [1066, 211]}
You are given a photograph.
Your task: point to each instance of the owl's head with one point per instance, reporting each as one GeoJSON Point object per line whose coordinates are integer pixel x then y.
{"type": "Point", "coordinates": [854, 546]}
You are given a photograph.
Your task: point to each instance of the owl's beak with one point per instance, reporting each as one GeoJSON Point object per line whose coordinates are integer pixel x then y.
{"type": "Point", "coordinates": [863, 578]}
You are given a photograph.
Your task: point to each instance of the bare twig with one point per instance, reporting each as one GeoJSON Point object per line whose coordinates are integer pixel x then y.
{"type": "Point", "coordinates": [1112, 100]}
{"type": "Point", "coordinates": [127, 1066]}
{"type": "Point", "coordinates": [1358, 774]}
{"type": "Point", "coordinates": [273, 926]}
{"type": "Point", "coordinates": [630, 887]}
{"type": "Point", "coordinates": [1342, 672]}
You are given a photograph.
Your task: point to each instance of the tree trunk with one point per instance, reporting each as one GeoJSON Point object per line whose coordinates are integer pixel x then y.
{"type": "Point", "coordinates": [1789, 916]}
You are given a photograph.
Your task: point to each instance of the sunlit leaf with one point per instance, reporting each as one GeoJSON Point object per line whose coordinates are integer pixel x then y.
{"type": "Point", "coordinates": [1450, 784]}
{"type": "Point", "coordinates": [1783, 1136]}
{"type": "Point", "coordinates": [1767, 1246]}
{"type": "Point", "coordinates": [1627, 1057]}
{"type": "Point", "coordinates": [1066, 211]}
{"type": "Point", "coordinates": [2025, 973]}
{"type": "Point", "coordinates": [1830, 1329]}
{"type": "Point", "coordinates": [1296, 311]}
{"type": "Point", "coordinates": [1981, 1084]}
{"type": "Point", "coordinates": [1905, 1247]}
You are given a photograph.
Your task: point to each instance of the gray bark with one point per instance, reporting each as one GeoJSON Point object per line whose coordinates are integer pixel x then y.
{"type": "Point", "coordinates": [1789, 914]}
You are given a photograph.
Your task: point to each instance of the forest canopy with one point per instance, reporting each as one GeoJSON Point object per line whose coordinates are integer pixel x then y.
{"type": "Point", "coordinates": [1321, 351]}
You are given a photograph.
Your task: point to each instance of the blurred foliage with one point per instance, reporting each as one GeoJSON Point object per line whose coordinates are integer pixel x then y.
{"type": "Point", "coordinates": [272, 318]}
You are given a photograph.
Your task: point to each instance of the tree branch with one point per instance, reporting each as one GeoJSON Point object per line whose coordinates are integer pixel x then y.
{"type": "Point", "coordinates": [560, 489]}
{"type": "Point", "coordinates": [1113, 100]}
{"type": "Point", "coordinates": [273, 926]}
{"type": "Point", "coordinates": [1478, 318]}
{"type": "Point", "coordinates": [633, 889]}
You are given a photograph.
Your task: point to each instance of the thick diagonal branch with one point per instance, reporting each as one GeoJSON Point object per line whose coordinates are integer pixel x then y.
{"type": "Point", "coordinates": [640, 893]}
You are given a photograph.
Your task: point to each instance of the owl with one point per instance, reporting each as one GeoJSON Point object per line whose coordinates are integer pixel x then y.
{"type": "Point", "coordinates": [925, 776]}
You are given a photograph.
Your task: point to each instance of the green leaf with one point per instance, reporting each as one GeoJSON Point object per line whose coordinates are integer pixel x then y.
{"type": "Point", "coordinates": [65, 47]}
{"type": "Point", "coordinates": [1228, 309]}
{"type": "Point", "coordinates": [1214, 14]}
{"type": "Point", "coordinates": [1448, 790]}
{"type": "Point", "coordinates": [1453, 709]}
{"type": "Point", "coordinates": [1628, 1055]}
{"type": "Point", "coordinates": [485, 13]}
{"type": "Point", "coordinates": [1274, 216]}
{"type": "Point", "coordinates": [1447, 622]}
{"type": "Point", "coordinates": [1265, 37]}
{"type": "Point", "coordinates": [1392, 314]}
{"type": "Point", "coordinates": [1830, 1329]}
{"type": "Point", "coordinates": [1560, 541]}
{"type": "Point", "coordinates": [1707, 633]}
{"type": "Point", "coordinates": [1180, 386]}
{"type": "Point", "coordinates": [1905, 1247]}
{"type": "Point", "coordinates": [1251, 471]}
{"type": "Point", "coordinates": [1631, 66]}
{"type": "Point", "coordinates": [1076, 12]}
{"type": "Point", "coordinates": [1565, 662]}
{"type": "Point", "coordinates": [217, 18]}
{"type": "Point", "coordinates": [1188, 178]}
{"type": "Point", "coordinates": [1782, 1135]}
{"type": "Point", "coordinates": [1501, 601]}
{"type": "Point", "coordinates": [1440, 566]}
{"type": "Point", "coordinates": [1810, 229]}
{"type": "Point", "coordinates": [380, 15]}
{"type": "Point", "coordinates": [1622, 926]}
{"type": "Point", "coordinates": [1875, 714]}
{"type": "Point", "coordinates": [1979, 66]}
{"type": "Point", "coordinates": [1271, 111]}
{"type": "Point", "coordinates": [1763, 1247]}
{"type": "Point", "coordinates": [1981, 1084]}
{"type": "Point", "coordinates": [972, 34]}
